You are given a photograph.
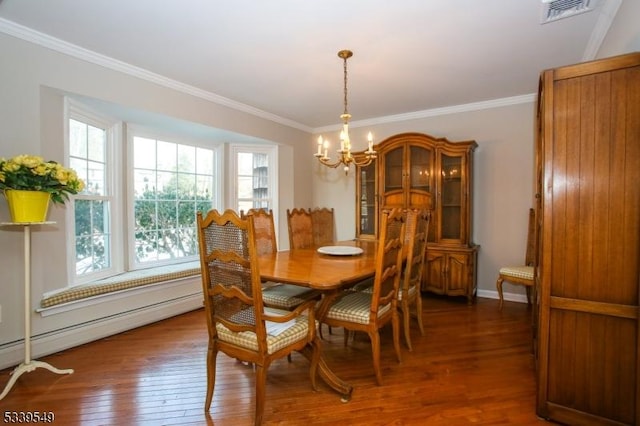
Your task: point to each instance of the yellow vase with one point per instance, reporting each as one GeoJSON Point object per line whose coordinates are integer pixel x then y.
{"type": "Point", "coordinates": [27, 206]}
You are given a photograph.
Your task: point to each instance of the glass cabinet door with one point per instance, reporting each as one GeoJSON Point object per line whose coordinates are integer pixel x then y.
{"type": "Point", "coordinates": [451, 197]}
{"type": "Point", "coordinates": [420, 172]}
{"type": "Point", "coordinates": [420, 179]}
{"type": "Point", "coordinates": [366, 210]}
{"type": "Point", "coordinates": [393, 182]}
{"type": "Point", "coordinates": [393, 164]}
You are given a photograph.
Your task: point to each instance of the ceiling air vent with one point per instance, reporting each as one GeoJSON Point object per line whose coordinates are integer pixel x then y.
{"type": "Point", "coordinates": [552, 10]}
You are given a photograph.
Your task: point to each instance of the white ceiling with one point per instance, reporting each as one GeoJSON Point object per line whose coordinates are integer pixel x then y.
{"type": "Point", "coordinates": [280, 56]}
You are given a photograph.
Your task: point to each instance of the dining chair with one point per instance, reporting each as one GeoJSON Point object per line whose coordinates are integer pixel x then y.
{"type": "Point", "coordinates": [277, 295]}
{"type": "Point", "coordinates": [300, 228]}
{"type": "Point", "coordinates": [238, 323]}
{"type": "Point", "coordinates": [322, 223]}
{"type": "Point", "coordinates": [368, 312]}
{"type": "Point", "coordinates": [415, 245]}
{"type": "Point", "coordinates": [520, 274]}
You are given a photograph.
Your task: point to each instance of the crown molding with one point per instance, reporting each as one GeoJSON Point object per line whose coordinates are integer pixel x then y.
{"type": "Point", "coordinates": [19, 31]}
{"type": "Point", "coordinates": [474, 106]}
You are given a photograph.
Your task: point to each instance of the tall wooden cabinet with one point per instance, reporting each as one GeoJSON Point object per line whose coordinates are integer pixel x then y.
{"type": "Point", "coordinates": [588, 264]}
{"type": "Point", "coordinates": [415, 170]}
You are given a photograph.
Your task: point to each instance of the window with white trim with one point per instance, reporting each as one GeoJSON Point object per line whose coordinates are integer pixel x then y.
{"type": "Point", "coordinates": [170, 183]}
{"type": "Point", "coordinates": [255, 178]}
{"type": "Point", "coordinates": [90, 156]}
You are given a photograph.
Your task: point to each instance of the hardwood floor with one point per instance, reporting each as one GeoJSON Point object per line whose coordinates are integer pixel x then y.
{"type": "Point", "coordinates": [473, 366]}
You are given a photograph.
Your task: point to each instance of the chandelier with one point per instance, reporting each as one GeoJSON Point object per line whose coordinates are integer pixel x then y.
{"type": "Point", "coordinates": [344, 153]}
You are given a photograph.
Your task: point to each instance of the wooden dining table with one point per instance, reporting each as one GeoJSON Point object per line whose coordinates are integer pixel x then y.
{"type": "Point", "coordinates": [327, 273]}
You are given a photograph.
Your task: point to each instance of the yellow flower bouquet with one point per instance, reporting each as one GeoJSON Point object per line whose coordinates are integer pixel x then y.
{"type": "Point", "coordinates": [32, 173]}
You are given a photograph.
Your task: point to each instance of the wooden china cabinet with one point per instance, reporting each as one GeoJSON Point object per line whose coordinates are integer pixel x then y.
{"type": "Point", "coordinates": [415, 170]}
{"type": "Point", "coordinates": [587, 271]}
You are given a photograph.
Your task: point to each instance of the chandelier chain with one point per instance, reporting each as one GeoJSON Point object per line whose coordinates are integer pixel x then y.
{"type": "Point", "coordinates": [346, 111]}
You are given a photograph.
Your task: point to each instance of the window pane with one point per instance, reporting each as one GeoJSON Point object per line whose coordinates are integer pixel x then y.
{"type": "Point", "coordinates": [146, 246]}
{"type": "Point", "coordinates": [167, 156]}
{"type": "Point", "coordinates": [186, 159]}
{"type": "Point", "coordinates": [145, 214]}
{"type": "Point", "coordinates": [144, 183]}
{"type": "Point", "coordinates": [245, 187]}
{"type": "Point", "coordinates": [253, 180]}
{"type": "Point", "coordinates": [167, 185]}
{"type": "Point", "coordinates": [204, 187]}
{"type": "Point", "coordinates": [96, 145]}
{"type": "Point", "coordinates": [204, 161]}
{"type": "Point", "coordinates": [186, 186]}
{"type": "Point", "coordinates": [245, 163]}
{"type": "Point", "coordinates": [187, 213]}
{"type": "Point", "coordinates": [144, 153]}
{"type": "Point", "coordinates": [80, 166]}
{"type": "Point", "coordinates": [188, 241]}
{"type": "Point", "coordinates": [168, 193]}
{"type": "Point", "coordinates": [96, 178]}
{"type": "Point", "coordinates": [77, 139]}
{"type": "Point", "coordinates": [92, 242]}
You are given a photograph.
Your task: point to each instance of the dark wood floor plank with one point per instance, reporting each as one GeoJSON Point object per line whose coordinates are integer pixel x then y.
{"type": "Point", "coordinates": [473, 366]}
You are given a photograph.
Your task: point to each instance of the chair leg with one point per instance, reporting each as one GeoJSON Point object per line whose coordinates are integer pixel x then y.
{"type": "Point", "coordinates": [499, 287]}
{"type": "Point", "coordinates": [261, 382]}
{"type": "Point", "coordinates": [395, 323]}
{"type": "Point", "coordinates": [419, 313]}
{"type": "Point", "coordinates": [528, 289]}
{"type": "Point", "coordinates": [406, 318]}
{"type": "Point", "coordinates": [375, 351]}
{"type": "Point", "coordinates": [211, 377]}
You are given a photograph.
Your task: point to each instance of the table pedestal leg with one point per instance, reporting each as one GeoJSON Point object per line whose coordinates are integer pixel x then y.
{"type": "Point", "coordinates": [329, 377]}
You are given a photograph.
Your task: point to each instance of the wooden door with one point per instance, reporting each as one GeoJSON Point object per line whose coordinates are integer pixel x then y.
{"type": "Point", "coordinates": [457, 274]}
{"type": "Point", "coordinates": [434, 270]}
{"type": "Point", "coordinates": [590, 243]}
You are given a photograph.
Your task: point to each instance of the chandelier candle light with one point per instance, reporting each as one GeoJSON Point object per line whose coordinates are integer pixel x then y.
{"type": "Point", "coordinates": [345, 156]}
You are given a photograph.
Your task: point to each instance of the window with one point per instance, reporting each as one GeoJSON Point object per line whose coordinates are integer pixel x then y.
{"type": "Point", "coordinates": [171, 183]}
{"type": "Point", "coordinates": [89, 156]}
{"type": "Point", "coordinates": [253, 169]}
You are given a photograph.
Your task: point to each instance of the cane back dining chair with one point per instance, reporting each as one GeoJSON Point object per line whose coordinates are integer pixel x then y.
{"type": "Point", "coordinates": [300, 228]}
{"type": "Point", "coordinates": [415, 244]}
{"type": "Point", "coordinates": [322, 223]}
{"type": "Point", "coordinates": [238, 323]}
{"type": "Point", "coordinates": [277, 295]}
{"type": "Point", "coordinates": [368, 312]}
{"type": "Point", "coordinates": [520, 274]}
{"type": "Point", "coordinates": [416, 232]}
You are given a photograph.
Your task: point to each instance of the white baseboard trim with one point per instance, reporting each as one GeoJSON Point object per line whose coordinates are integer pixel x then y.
{"type": "Point", "coordinates": [55, 341]}
{"type": "Point", "coordinates": [509, 297]}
